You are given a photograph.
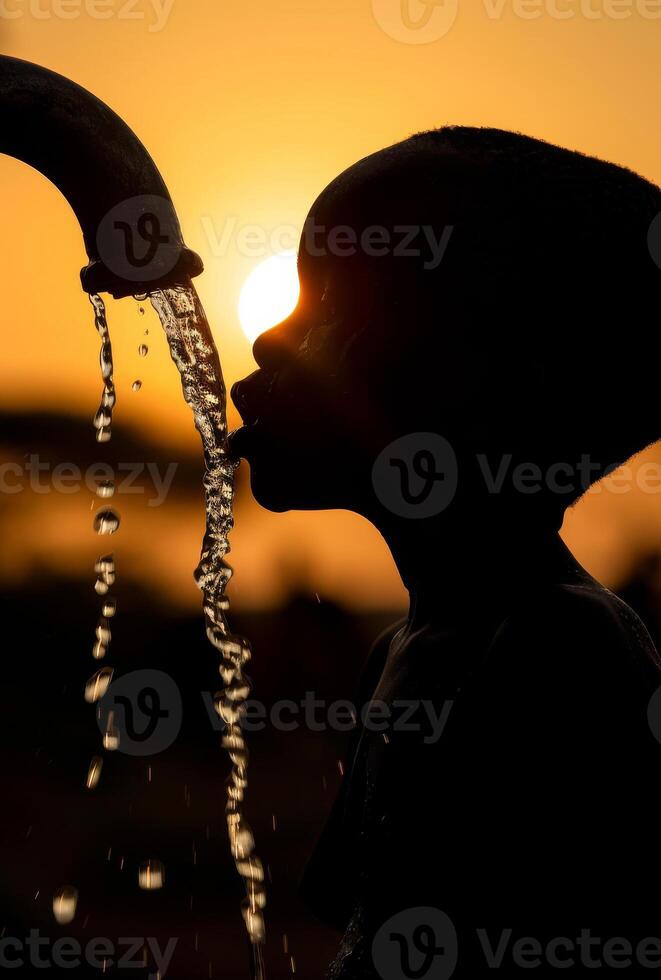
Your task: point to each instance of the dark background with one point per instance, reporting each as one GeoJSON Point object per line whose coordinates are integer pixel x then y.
{"type": "Point", "coordinates": [55, 832]}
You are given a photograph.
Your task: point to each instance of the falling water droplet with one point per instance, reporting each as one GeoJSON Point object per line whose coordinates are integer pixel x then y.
{"type": "Point", "coordinates": [137, 385]}
{"type": "Point", "coordinates": [111, 734]}
{"type": "Point", "coordinates": [102, 419]}
{"type": "Point", "coordinates": [105, 360]}
{"type": "Point", "coordinates": [65, 901]}
{"type": "Point", "coordinates": [97, 685]}
{"type": "Point", "coordinates": [105, 568]}
{"type": "Point", "coordinates": [254, 921]}
{"type": "Point", "coordinates": [105, 489]}
{"type": "Point", "coordinates": [103, 633]}
{"type": "Point", "coordinates": [108, 398]}
{"type": "Point", "coordinates": [111, 741]}
{"type": "Point", "coordinates": [106, 522]}
{"type": "Point", "coordinates": [99, 650]}
{"type": "Point", "coordinates": [151, 875]}
{"type": "Point", "coordinates": [94, 772]}
{"type": "Point", "coordinates": [242, 842]}
{"type": "Point", "coordinates": [143, 350]}
{"type": "Point", "coordinates": [109, 608]}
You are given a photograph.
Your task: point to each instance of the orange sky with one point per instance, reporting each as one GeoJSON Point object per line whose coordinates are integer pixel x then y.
{"type": "Point", "coordinates": [249, 109]}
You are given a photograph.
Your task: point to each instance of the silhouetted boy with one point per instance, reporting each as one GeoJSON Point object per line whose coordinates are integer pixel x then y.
{"type": "Point", "coordinates": [475, 344]}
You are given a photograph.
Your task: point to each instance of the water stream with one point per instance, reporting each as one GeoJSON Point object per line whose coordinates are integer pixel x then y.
{"type": "Point", "coordinates": [193, 350]}
{"type": "Point", "coordinates": [106, 522]}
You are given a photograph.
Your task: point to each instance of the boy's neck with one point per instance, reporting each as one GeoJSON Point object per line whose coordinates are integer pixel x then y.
{"type": "Point", "coordinates": [470, 571]}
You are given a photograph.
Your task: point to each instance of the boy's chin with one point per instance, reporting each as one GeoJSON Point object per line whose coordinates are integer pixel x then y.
{"type": "Point", "coordinates": [270, 490]}
{"type": "Point", "coordinates": [279, 491]}
{"type": "Point", "coordinates": [267, 498]}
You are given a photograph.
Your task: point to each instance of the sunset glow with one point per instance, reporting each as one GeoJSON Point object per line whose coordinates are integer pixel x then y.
{"type": "Point", "coordinates": [241, 167]}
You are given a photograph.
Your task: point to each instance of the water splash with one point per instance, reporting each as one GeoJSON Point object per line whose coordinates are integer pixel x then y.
{"type": "Point", "coordinates": [193, 350]}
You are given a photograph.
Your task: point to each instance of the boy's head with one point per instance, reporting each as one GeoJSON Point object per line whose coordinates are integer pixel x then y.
{"type": "Point", "coordinates": [482, 285]}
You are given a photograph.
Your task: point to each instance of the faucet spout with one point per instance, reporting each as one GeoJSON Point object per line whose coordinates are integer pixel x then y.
{"type": "Point", "coordinates": [131, 231]}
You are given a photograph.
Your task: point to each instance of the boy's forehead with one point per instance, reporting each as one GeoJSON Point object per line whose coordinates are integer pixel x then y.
{"type": "Point", "coordinates": [377, 200]}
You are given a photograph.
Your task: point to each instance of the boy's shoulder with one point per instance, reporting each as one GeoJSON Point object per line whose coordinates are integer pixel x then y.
{"type": "Point", "coordinates": [577, 627]}
{"type": "Point", "coordinates": [573, 665]}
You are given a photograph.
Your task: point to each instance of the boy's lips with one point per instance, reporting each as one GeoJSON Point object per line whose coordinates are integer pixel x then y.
{"type": "Point", "coordinates": [250, 397]}
{"type": "Point", "coordinates": [252, 394]}
{"type": "Point", "coordinates": [240, 441]}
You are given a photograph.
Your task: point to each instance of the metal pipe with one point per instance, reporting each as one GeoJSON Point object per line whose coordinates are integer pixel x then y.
{"type": "Point", "coordinates": [131, 230]}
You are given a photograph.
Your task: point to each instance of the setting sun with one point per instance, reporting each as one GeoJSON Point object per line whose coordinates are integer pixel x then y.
{"type": "Point", "coordinates": [269, 294]}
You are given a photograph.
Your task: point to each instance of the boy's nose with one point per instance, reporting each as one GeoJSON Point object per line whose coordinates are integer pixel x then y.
{"type": "Point", "coordinates": [270, 349]}
{"type": "Point", "coordinates": [276, 346]}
